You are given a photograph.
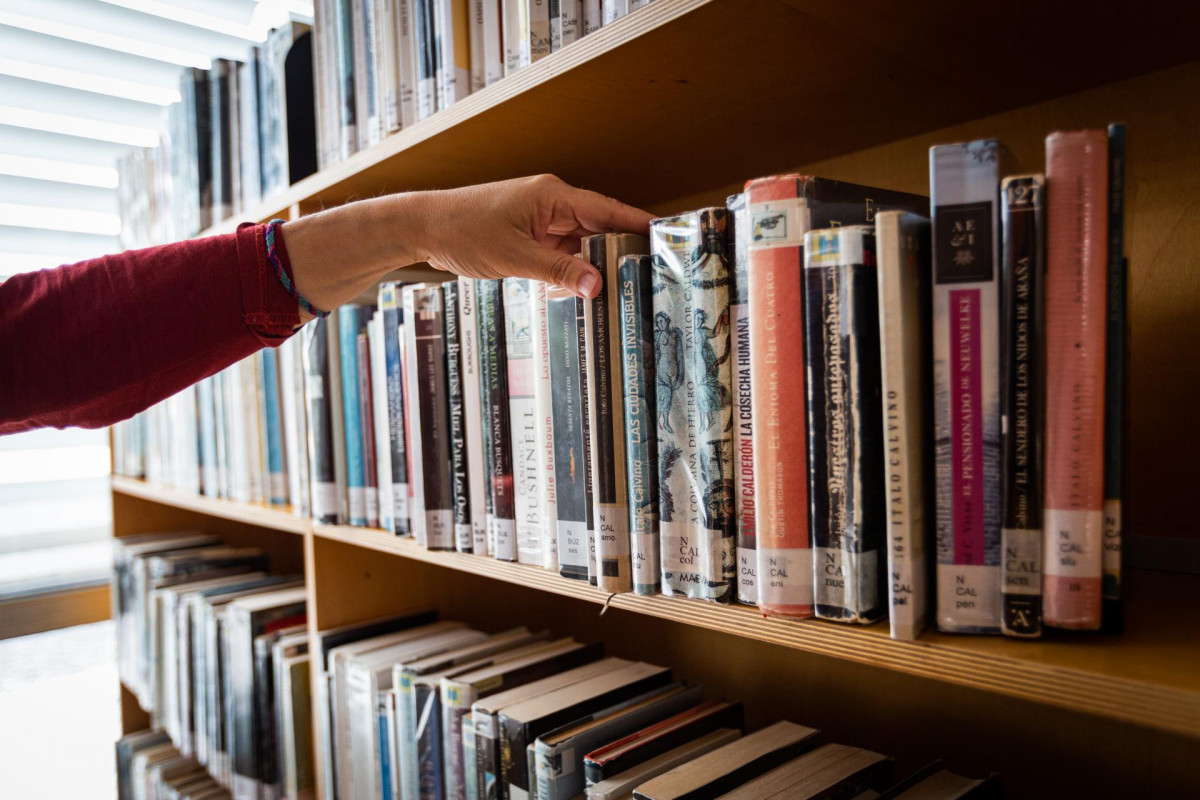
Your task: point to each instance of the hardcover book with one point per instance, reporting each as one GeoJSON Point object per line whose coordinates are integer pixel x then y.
{"type": "Point", "coordinates": [477, 482]}
{"type": "Point", "coordinates": [845, 429]}
{"type": "Point", "coordinates": [463, 534]}
{"type": "Point", "coordinates": [831, 770]}
{"type": "Point", "coordinates": [694, 401]}
{"type": "Point", "coordinates": [1076, 285]}
{"type": "Point", "coordinates": [543, 396]}
{"type": "Point", "coordinates": [621, 786]}
{"type": "Point", "coordinates": [610, 509]}
{"type": "Point", "coordinates": [965, 179]}
{"type": "Point", "coordinates": [1022, 275]}
{"type": "Point", "coordinates": [390, 308]}
{"type": "Point", "coordinates": [635, 276]}
{"type": "Point", "coordinates": [502, 530]}
{"type": "Point", "coordinates": [743, 417]}
{"type": "Point", "coordinates": [902, 240]}
{"type": "Point", "coordinates": [564, 314]}
{"type": "Point", "coordinates": [522, 411]}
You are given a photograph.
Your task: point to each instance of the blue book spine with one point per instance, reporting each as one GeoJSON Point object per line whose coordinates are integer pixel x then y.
{"type": "Point", "coordinates": [348, 324]}
{"type": "Point", "coordinates": [385, 754]}
{"type": "Point", "coordinates": [395, 395]}
{"type": "Point", "coordinates": [429, 744]}
{"type": "Point", "coordinates": [277, 491]}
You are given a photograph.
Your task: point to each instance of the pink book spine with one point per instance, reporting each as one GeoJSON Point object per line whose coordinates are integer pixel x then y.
{"type": "Point", "coordinates": [778, 219]}
{"type": "Point", "coordinates": [1076, 230]}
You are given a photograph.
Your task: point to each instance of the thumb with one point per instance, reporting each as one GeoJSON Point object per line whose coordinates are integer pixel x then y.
{"type": "Point", "coordinates": [570, 272]}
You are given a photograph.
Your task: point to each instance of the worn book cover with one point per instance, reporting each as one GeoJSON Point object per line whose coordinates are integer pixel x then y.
{"type": "Point", "coordinates": [902, 240]}
{"type": "Point", "coordinates": [498, 436]}
{"type": "Point", "coordinates": [543, 398]}
{"type": "Point", "coordinates": [564, 315]}
{"type": "Point", "coordinates": [522, 415]}
{"type": "Point", "coordinates": [610, 509]}
{"type": "Point", "coordinates": [965, 179]}
{"type": "Point", "coordinates": [477, 483]}
{"type": "Point", "coordinates": [694, 402]}
{"type": "Point", "coordinates": [743, 417]}
{"type": "Point", "coordinates": [463, 535]}
{"type": "Point", "coordinates": [1076, 289]}
{"type": "Point", "coordinates": [845, 428]}
{"type": "Point", "coordinates": [1022, 397]}
{"type": "Point", "coordinates": [635, 276]}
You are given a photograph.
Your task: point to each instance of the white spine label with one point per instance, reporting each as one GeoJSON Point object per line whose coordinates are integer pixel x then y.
{"type": "Point", "coordinates": [968, 596]}
{"type": "Point", "coordinates": [1073, 543]}
{"type": "Point", "coordinates": [785, 576]}
{"type": "Point", "coordinates": [1021, 569]}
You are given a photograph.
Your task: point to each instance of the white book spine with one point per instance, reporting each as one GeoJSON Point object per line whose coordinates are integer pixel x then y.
{"type": "Point", "coordinates": [406, 63]}
{"type": "Point", "coordinates": [293, 446]}
{"type": "Point", "coordinates": [569, 25]}
{"type": "Point", "coordinates": [446, 77]}
{"type": "Point", "coordinates": [903, 253]}
{"type": "Point", "coordinates": [334, 348]}
{"type": "Point", "coordinates": [539, 29]}
{"type": "Point", "coordinates": [362, 80]}
{"type": "Point", "coordinates": [544, 434]}
{"type": "Point", "coordinates": [476, 475]}
{"type": "Point", "coordinates": [382, 424]}
{"type": "Point", "coordinates": [523, 418]}
{"type": "Point", "coordinates": [425, 44]}
{"type": "Point", "coordinates": [416, 477]}
{"type": "Point", "coordinates": [385, 48]}
{"type": "Point", "coordinates": [476, 33]}
{"type": "Point", "coordinates": [592, 19]}
{"type": "Point", "coordinates": [612, 10]}
{"type": "Point", "coordinates": [493, 42]}
{"type": "Point", "coordinates": [515, 19]}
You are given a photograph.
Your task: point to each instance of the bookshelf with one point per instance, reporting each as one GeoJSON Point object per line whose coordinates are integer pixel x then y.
{"type": "Point", "coordinates": [673, 107]}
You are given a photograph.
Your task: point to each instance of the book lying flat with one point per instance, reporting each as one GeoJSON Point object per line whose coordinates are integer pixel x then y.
{"type": "Point", "coordinates": [621, 785]}
{"type": "Point", "coordinates": [935, 782]}
{"type": "Point", "coordinates": [832, 770]}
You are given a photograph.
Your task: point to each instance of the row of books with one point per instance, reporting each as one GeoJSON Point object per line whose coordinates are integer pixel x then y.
{"type": "Point", "coordinates": [794, 401]}
{"type": "Point", "coordinates": [410, 708]}
{"type": "Point", "coordinates": [215, 647]}
{"type": "Point", "coordinates": [382, 65]}
{"type": "Point", "coordinates": [244, 130]}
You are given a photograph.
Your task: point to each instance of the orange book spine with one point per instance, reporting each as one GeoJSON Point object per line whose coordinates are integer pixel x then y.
{"type": "Point", "coordinates": [775, 265]}
{"type": "Point", "coordinates": [1077, 227]}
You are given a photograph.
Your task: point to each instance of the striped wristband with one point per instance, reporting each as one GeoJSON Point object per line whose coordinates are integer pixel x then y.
{"type": "Point", "coordinates": [273, 257]}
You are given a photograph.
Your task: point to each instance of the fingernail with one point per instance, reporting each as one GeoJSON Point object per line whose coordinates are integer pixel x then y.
{"type": "Point", "coordinates": [589, 284]}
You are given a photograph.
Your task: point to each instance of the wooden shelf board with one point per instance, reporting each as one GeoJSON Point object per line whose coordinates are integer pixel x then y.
{"type": "Point", "coordinates": [684, 96]}
{"type": "Point", "coordinates": [278, 518]}
{"type": "Point", "coordinates": [1147, 677]}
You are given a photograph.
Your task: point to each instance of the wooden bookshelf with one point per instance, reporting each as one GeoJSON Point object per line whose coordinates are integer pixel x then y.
{"type": "Point", "coordinates": [675, 106]}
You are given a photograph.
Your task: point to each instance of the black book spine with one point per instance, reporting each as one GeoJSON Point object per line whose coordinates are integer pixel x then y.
{"type": "Point", "coordinates": [483, 334]}
{"type": "Point", "coordinates": [570, 479]}
{"type": "Point", "coordinates": [641, 440]}
{"type": "Point", "coordinates": [320, 425]}
{"type": "Point", "coordinates": [430, 343]}
{"type": "Point", "coordinates": [1112, 619]}
{"type": "Point", "coordinates": [458, 424]}
{"type": "Point", "coordinates": [429, 745]}
{"type": "Point", "coordinates": [845, 428]}
{"type": "Point", "coordinates": [204, 163]}
{"type": "Point", "coordinates": [264, 723]}
{"type": "Point", "coordinates": [366, 410]}
{"type": "Point", "coordinates": [495, 374]}
{"type": "Point", "coordinates": [584, 414]}
{"type": "Point", "coordinates": [1022, 399]}
{"type": "Point", "coordinates": [743, 417]}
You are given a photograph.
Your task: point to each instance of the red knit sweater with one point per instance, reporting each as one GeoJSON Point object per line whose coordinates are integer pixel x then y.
{"type": "Point", "coordinates": [93, 343]}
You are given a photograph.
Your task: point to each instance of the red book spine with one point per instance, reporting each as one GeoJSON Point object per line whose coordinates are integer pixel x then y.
{"type": "Point", "coordinates": [1077, 227]}
{"type": "Point", "coordinates": [775, 265]}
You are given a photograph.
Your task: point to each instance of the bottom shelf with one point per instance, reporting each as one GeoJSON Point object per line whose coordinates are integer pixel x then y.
{"type": "Point", "coordinates": [1147, 677]}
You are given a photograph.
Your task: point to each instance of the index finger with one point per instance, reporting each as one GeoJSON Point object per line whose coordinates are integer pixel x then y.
{"type": "Point", "coordinates": [602, 214]}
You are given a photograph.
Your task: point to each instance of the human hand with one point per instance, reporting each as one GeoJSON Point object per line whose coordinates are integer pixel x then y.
{"type": "Point", "coordinates": [524, 228]}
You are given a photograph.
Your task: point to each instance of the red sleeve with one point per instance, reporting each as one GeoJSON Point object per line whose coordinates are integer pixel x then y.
{"type": "Point", "coordinates": [93, 343]}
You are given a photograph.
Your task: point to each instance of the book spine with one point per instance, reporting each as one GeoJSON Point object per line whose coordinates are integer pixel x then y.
{"type": "Point", "coordinates": [503, 519]}
{"type": "Point", "coordinates": [443, 27]}
{"type": "Point", "coordinates": [429, 336]}
{"type": "Point", "coordinates": [485, 411]}
{"type": "Point", "coordinates": [544, 432]}
{"type": "Point", "coordinates": [904, 299]}
{"type": "Point", "coordinates": [592, 18]}
{"type": "Point", "coordinates": [585, 418]}
{"type": "Point", "coordinates": [470, 775]}
{"type": "Point", "coordinates": [1076, 285]}
{"type": "Point", "coordinates": [407, 66]}
{"type": "Point", "coordinates": [352, 415]}
{"type": "Point", "coordinates": [389, 306]}
{"type": "Point", "coordinates": [515, 21]}
{"type": "Point", "coordinates": [364, 79]}
{"type": "Point", "coordinates": [641, 442]}
{"type": "Point", "coordinates": [473, 420]}
{"type": "Point", "coordinates": [714, 400]}
{"type": "Point", "coordinates": [381, 418]}
{"type": "Point", "coordinates": [539, 29]}
{"type": "Point", "coordinates": [412, 420]}
{"type": "Point", "coordinates": [206, 413]}
{"type": "Point", "coordinates": [673, 294]}
{"type": "Point", "coordinates": [346, 79]}
{"type": "Point", "coordinates": [1114, 384]}
{"type": "Point", "coordinates": [366, 408]}
{"type": "Point", "coordinates": [487, 755]}
{"type": "Point", "coordinates": [778, 218]}
{"type": "Point", "coordinates": [845, 446]}
{"type": "Point", "coordinates": [288, 390]}
{"type": "Point", "coordinates": [478, 70]}
{"type": "Point", "coordinates": [613, 10]}
{"type": "Point", "coordinates": [743, 416]}
{"type": "Point", "coordinates": [430, 753]}
{"type": "Point", "coordinates": [493, 45]}
{"type": "Point", "coordinates": [610, 509]}
{"type": "Point", "coordinates": [389, 61]}
{"type": "Point", "coordinates": [966, 184]}
{"type": "Point", "coordinates": [425, 46]}
{"type": "Point", "coordinates": [1021, 276]}
{"type": "Point", "coordinates": [556, 21]}
{"type": "Point", "coordinates": [573, 505]}
{"type": "Point", "coordinates": [454, 704]}
{"type": "Point", "coordinates": [522, 408]}
{"type": "Point", "coordinates": [570, 21]}
{"type": "Point", "coordinates": [463, 540]}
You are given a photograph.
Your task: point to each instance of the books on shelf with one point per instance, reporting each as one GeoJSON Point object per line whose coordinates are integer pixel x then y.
{"type": "Point", "coordinates": [511, 419]}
